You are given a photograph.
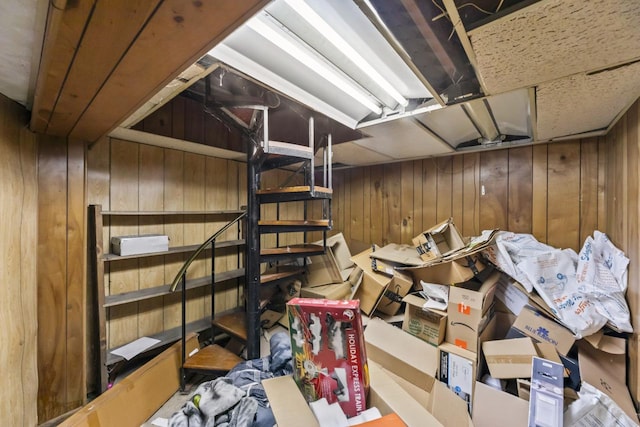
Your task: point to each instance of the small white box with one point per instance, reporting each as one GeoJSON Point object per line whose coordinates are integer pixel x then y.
{"type": "Point", "coordinates": [144, 244]}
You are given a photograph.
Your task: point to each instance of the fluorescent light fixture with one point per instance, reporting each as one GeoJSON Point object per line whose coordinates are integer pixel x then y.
{"type": "Point", "coordinates": [251, 68]}
{"type": "Point", "coordinates": [309, 15]}
{"type": "Point", "coordinates": [283, 39]}
{"type": "Point", "coordinates": [400, 115]}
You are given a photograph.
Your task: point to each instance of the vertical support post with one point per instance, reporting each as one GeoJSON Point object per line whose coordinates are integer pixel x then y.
{"type": "Point", "coordinates": [97, 313]}
{"type": "Point", "coordinates": [265, 128]}
{"type": "Point", "coordinates": [213, 287]}
{"type": "Point", "coordinates": [312, 177]}
{"type": "Point", "coordinates": [184, 331]}
{"type": "Point", "coordinates": [252, 262]}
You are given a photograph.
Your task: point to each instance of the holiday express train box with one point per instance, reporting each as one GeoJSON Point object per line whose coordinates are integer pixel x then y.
{"type": "Point", "coordinates": [328, 352]}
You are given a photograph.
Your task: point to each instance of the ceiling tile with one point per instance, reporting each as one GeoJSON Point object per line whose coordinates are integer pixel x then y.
{"type": "Point", "coordinates": [555, 38]}
{"type": "Point", "coordinates": [451, 124]}
{"type": "Point", "coordinates": [402, 139]}
{"type": "Point", "coordinates": [581, 103]}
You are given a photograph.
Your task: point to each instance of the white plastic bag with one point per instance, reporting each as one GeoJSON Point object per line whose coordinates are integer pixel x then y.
{"type": "Point", "coordinates": [602, 275]}
{"type": "Point", "coordinates": [595, 409]}
{"type": "Point", "coordinates": [553, 275]}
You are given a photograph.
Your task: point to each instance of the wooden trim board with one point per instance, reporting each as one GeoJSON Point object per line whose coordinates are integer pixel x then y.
{"type": "Point", "coordinates": [134, 399]}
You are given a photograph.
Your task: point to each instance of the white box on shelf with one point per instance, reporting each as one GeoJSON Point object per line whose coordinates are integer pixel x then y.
{"type": "Point", "coordinates": [143, 244]}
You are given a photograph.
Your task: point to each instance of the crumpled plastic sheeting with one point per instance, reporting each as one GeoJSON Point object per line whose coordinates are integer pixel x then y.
{"type": "Point", "coordinates": [584, 291]}
{"type": "Point", "coordinates": [602, 275]}
{"type": "Point", "coordinates": [595, 408]}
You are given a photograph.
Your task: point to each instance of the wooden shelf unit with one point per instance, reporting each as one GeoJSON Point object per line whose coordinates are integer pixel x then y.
{"type": "Point", "coordinates": [101, 302]}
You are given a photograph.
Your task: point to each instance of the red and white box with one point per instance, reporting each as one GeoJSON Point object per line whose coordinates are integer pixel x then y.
{"type": "Point", "coordinates": [328, 351]}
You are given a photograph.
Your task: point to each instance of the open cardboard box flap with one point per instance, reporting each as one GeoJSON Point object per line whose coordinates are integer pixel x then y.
{"type": "Point", "coordinates": [607, 371]}
{"type": "Point", "coordinates": [492, 407]}
{"type": "Point", "coordinates": [401, 353]}
{"type": "Point", "coordinates": [510, 358]}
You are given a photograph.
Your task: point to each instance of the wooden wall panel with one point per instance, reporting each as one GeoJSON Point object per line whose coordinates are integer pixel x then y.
{"type": "Point", "coordinates": [444, 195]}
{"type": "Point", "coordinates": [563, 210]}
{"type": "Point", "coordinates": [520, 192]}
{"type": "Point", "coordinates": [19, 382]}
{"type": "Point", "coordinates": [622, 152]}
{"type": "Point", "coordinates": [494, 169]}
{"type": "Point", "coordinates": [515, 196]}
{"type": "Point", "coordinates": [471, 195]}
{"type": "Point", "coordinates": [151, 272]}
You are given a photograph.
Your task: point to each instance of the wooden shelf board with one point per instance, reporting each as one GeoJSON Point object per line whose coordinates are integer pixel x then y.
{"type": "Point", "coordinates": [166, 337]}
{"type": "Point", "coordinates": [294, 189]}
{"type": "Point", "coordinates": [175, 250]}
{"type": "Point", "coordinates": [167, 213]}
{"type": "Point", "coordinates": [158, 291]}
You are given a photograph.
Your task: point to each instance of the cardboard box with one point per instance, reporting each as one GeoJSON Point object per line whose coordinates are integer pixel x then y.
{"type": "Point", "coordinates": [329, 356]}
{"type": "Point", "coordinates": [143, 244]}
{"type": "Point", "coordinates": [427, 324]}
{"type": "Point", "coordinates": [287, 403]}
{"type": "Point", "coordinates": [510, 358]}
{"type": "Point", "coordinates": [467, 313]}
{"type": "Point", "coordinates": [533, 324]}
{"type": "Point", "coordinates": [438, 241]}
{"type": "Point", "coordinates": [458, 370]}
{"type": "Point", "coordinates": [492, 408]}
{"type": "Point", "coordinates": [333, 266]}
{"type": "Point", "coordinates": [334, 291]}
{"type": "Point", "coordinates": [401, 353]}
{"type": "Point", "coordinates": [606, 370]}
{"type": "Point", "coordinates": [381, 290]}
{"type": "Point", "coordinates": [449, 272]}
{"type": "Point", "coordinates": [398, 254]}
{"type": "Point", "coordinates": [386, 395]}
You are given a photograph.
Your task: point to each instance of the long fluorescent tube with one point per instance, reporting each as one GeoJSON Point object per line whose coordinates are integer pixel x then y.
{"type": "Point", "coordinates": [251, 68]}
{"type": "Point", "coordinates": [309, 15]}
{"type": "Point", "coordinates": [301, 54]}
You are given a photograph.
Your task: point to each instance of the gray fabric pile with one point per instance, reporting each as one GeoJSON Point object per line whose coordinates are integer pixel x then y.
{"type": "Point", "coordinates": [238, 399]}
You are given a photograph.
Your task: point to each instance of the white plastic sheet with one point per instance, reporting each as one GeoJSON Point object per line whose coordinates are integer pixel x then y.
{"type": "Point", "coordinates": [584, 291]}
{"type": "Point", "coordinates": [595, 409]}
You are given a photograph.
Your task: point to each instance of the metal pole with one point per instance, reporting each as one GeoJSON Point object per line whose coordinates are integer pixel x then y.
{"type": "Point", "coordinates": [213, 287]}
{"type": "Point", "coordinates": [252, 262]}
{"type": "Point", "coordinates": [184, 331]}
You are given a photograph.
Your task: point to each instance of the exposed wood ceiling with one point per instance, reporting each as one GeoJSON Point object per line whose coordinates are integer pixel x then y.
{"type": "Point", "coordinates": [102, 60]}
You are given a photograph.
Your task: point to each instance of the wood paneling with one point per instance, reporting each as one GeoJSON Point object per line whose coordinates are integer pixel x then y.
{"type": "Point", "coordinates": [622, 214]}
{"type": "Point", "coordinates": [124, 175]}
{"type": "Point", "coordinates": [18, 294]}
{"type": "Point", "coordinates": [402, 199]}
{"type": "Point", "coordinates": [91, 55]}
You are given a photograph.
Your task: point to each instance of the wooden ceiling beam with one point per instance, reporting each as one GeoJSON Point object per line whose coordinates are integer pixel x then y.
{"type": "Point", "coordinates": [103, 59]}
{"type": "Point", "coordinates": [65, 26]}
{"type": "Point", "coordinates": [176, 36]}
{"type": "Point", "coordinates": [113, 27]}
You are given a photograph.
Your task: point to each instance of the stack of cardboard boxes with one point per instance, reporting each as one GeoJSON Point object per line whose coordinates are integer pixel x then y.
{"type": "Point", "coordinates": [471, 363]}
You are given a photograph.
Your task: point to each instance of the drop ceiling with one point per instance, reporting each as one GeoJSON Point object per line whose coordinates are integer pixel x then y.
{"type": "Point", "coordinates": [471, 75]}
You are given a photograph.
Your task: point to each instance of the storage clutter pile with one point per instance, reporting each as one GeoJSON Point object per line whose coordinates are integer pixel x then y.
{"type": "Point", "coordinates": [495, 330]}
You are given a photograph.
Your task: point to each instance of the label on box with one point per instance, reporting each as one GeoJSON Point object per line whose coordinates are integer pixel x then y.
{"type": "Point", "coordinates": [328, 352]}
{"type": "Point", "coordinates": [458, 373]}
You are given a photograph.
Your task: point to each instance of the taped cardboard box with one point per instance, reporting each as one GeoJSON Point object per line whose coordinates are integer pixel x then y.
{"type": "Point", "coordinates": [143, 244]}
{"type": "Point", "coordinates": [401, 353]}
{"type": "Point", "coordinates": [381, 289]}
{"type": "Point", "coordinates": [534, 324]}
{"type": "Point", "coordinates": [427, 324]}
{"type": "Point", "coordinates": [510, 358]}
{"type": "Point", "coordinates": [438, 241]}
{"type": "Point", "coordinates": [468, 311]}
